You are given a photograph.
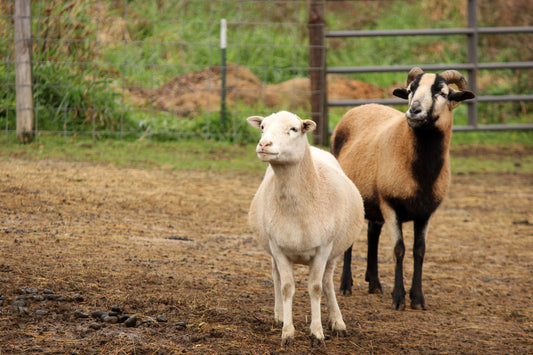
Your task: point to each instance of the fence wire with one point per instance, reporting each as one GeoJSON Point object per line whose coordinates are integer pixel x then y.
{"type": "Point", "coordinates": [145, 68]}
{"type": "Point", "coordinates": [136, 68]}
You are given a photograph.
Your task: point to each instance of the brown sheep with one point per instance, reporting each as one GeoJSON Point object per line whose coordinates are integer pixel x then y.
{"type": "Point", "coordinates": [400, 163]}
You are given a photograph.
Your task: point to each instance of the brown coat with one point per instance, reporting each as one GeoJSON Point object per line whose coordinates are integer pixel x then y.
{"type": "Point", "coordinates": [392, 164]}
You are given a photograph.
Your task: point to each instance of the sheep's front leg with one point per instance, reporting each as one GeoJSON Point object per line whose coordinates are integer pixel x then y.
{"type": "Point", "coordinates": [336, 323]}
{"type": "Point", "coordinates": [398, 293]}
{"type": "Point", "coordinates": [278, 300]}
{"type": "Point", "coordinates": [419, 250]}
{"type": "Point", "coordinates": [395, 231]}
{"type": "Point", "coordinates": [286, 278]}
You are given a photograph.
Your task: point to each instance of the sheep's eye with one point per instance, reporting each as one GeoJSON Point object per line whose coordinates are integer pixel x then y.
{"type": "Point", "coordinates": [262, 127]}
{"type": "Point", "coordinates": [294, 129]}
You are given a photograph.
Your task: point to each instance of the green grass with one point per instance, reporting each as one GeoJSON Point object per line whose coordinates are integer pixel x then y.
{"type": "Point", "coordinates": [498, 138]}
{"type": "Point", "coordinates": [179, 37]}
{"type": "Point", "coordinates": [177, 155]}
{"type": "Point", "coordinates": [469, 156]}
{"type": "Point", "coordinates": [160, 40]}
{"type": "Point", "coordinates": [496, 164]}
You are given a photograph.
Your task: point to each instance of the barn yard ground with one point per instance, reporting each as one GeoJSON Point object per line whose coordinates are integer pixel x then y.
{"type": "Point", "coordinates": [160, 230]}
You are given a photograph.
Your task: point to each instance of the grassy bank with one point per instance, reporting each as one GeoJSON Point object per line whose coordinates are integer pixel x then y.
{"type": "Point", "coordinates": [502, 152]}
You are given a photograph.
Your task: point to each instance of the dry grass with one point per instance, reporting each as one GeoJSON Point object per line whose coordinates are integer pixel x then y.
{"type": "Point", "coordinates": [176, 243]}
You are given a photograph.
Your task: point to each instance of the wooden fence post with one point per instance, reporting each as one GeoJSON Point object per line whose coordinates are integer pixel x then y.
{"type": "Point", "coordinates": [317, 71]}
{"type": "Point", "coordinates": [23, 71]}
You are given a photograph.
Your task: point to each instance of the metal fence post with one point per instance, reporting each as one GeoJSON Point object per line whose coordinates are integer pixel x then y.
{"type": "Point", "coordinates": [317, 69]}
{"type": "Point", "coordinates": [472, 59]}
{"type": "Point", "coordinates": [223, 43]}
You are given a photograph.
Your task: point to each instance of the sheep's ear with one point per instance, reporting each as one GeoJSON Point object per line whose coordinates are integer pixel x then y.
{"type": "Point", "coordinates": [401, 93]}
{"type": "Point", "coordinates": [456, 97]}
{"type": "Point", "coordinates": [255, 121]}
{"type": "Point", "coordinates": [460, 95]}
{"type": "Point", "coordinates": [308, 126]}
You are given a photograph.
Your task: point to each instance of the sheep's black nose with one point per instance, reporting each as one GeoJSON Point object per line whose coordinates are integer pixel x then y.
{"type": "Point", "coordinates": [415, 108]}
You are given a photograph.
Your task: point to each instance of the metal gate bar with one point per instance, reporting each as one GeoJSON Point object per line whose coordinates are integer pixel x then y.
{"type": "Point", "coordinates": [472, 67]}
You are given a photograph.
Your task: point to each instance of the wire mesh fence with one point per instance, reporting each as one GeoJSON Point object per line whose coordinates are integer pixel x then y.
{"type": "Point", "coordinates": [134, 68]}
{"type": "Point", "coordinates": [130, 68]}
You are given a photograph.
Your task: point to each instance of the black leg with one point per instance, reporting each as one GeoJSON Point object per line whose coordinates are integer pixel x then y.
{"type": "Point", "coordinates": [346, 278]}
{"type": "Point", "coordinates": [419, 250]}
{"type": "Point", "coordinates": [398, 293]}
{"type": "Point", "coordinates": [372, 274]}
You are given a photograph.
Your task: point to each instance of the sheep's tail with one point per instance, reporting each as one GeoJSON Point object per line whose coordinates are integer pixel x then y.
{"type": "Point", "coordinates": [454, 77]}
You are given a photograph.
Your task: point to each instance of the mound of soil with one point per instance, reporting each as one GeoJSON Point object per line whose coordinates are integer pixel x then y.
{"type": "Point", "coordinates": [193, 92]}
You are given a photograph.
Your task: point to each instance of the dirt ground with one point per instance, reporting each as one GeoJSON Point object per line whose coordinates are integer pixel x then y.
{"type": "Point", "coordinates": [78, 237]}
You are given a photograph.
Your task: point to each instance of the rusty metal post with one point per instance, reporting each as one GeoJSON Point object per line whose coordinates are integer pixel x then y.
{"type": "Point", "coordinates": [317, 71]}
{"type": "Point", "coordinates": [472, 59]}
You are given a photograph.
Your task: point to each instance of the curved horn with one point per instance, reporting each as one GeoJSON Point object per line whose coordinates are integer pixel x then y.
{"type": "Point", "coordinates": [413, 73]}
{"type": "Point", "coordinates": [454, 77]}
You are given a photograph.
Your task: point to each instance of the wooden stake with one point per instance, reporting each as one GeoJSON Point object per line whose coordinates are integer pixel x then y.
{"type": "Point", "coordinates": [23, 71]}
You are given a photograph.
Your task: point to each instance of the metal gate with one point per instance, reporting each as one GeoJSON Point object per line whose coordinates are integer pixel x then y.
{"type": "Point", "coordinates": [472, 32]}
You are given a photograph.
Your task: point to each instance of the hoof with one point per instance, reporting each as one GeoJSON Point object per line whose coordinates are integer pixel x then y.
{"type": "Point", "coordinates": [346, 292]}
{"type": "Point", "coordinates": [375, 289]}
{"type": "Point", "coordinates": [315, 342]}
{"type": "Point", "coordinates": [398, 303]}
{"type": "Point", "coordinates": [398, 306]}
{"type": "Point", "coordinates": [398, 299]}
{"type": "Point", "coordinates": [339, 333]}
{"type": "Point", "coordinates": [287, 342]}
{"type": "Point", "coordinates": [418, 306]}
{"type": "Point", "coordinates": [346, 286]}
{"type": "Point", "coordinates": [337, 329]}
{"type": "Point", "coordinates": [417, 300]}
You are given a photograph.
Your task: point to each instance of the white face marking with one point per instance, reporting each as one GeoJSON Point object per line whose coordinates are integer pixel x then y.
{"type": "Point", "coordinates": [440, 100]}
{"type": "Point", "coordinates": [426, 103]}
{"type": "Point", "coordinates": [421, 100]}
{"type": "Point", "coordinates": [282, 140]}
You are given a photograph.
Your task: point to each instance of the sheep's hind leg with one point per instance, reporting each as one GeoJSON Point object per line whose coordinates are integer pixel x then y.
{"type": "Point", "coordinates": [317, 269]}
{"type": "Point", "coordinates": [287, 288]}
{"type": "Point", "coordinates": [372, 274]}
{"type": "Point", "coordinates": [395, 231]}
{"type": "Point", "coordinates": [336, 324]}
{"type": "Point", "coordinates": [419, 250]}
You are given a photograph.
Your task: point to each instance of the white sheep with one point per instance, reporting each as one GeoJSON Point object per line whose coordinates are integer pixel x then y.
{"type": "Point", "coordinates": [400, 163]}
{"type": "Point", "coordinates": [306, 211]}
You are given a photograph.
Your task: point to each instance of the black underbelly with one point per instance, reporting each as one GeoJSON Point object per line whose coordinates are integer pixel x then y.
{"type": "Point", "coordinates": [419, 207]}
{"type": "Point", "coordinates": [372, 211]}
{"type": "Point", "coordinates": [416, 208]}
